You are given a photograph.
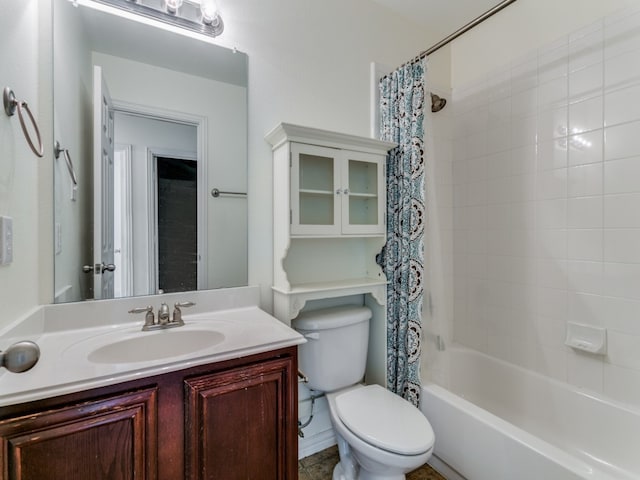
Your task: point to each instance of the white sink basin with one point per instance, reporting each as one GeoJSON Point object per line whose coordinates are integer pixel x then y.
{"type": "Point", "coordinates": [148, 346]}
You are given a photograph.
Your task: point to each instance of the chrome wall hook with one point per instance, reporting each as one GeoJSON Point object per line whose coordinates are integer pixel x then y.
{"type": "Point", "coordinates": [11, 104]}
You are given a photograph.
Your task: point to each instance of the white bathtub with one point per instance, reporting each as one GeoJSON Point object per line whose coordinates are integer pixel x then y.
{"type": "Point", "coordinates": [500, 422]}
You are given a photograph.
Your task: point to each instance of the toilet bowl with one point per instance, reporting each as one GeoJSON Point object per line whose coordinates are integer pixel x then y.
{"type": "Point", "coordinates": [380, 435]}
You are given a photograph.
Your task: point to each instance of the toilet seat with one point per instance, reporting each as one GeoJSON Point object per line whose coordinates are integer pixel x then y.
{"type": "Point", "coordinates": [385, 420]}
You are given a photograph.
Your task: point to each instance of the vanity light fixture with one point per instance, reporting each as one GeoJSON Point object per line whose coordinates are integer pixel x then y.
{"type": "Point", "coordinates": [201, 16]}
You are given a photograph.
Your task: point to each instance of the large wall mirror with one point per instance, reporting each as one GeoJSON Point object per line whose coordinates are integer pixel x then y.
{"type": "Point", "coordinates": [151, 168]}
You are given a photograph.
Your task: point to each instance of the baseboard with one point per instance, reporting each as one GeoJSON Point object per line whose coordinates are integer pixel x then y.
{"type": "Point", "coordinates": [444, 469]}
{"type": "Point", "coordinates": [315, 443]}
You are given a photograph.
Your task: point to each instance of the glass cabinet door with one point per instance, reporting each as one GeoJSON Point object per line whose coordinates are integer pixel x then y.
{"type": "Point", "coordinates": [315, 190]}
{"type": "Point", "coordinates": [363, 203]}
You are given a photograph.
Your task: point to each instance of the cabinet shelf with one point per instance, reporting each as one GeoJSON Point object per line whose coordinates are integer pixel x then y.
{"type": "Point", "coordinates": [363, 195]}
{"type": "Point", "coordinates": [307, 191]}
{"type": "Point", "coordinates": [293, 300]}
{"type": "Point", "coordinates": [312, 287]}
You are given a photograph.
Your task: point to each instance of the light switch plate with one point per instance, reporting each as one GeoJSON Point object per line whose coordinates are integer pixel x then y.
{"type": "Point", "coordinates": [6, 240]}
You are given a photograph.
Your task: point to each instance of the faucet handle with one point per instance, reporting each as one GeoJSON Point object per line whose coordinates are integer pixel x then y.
{"type": "Point", "coordinates": [149, 318]}
{"type": "Point", "coordinates": [177, 313]}
{"type": "Point", "coordinates": [148, 308]}
{"type": "Point", "coordinates": [183, 304]}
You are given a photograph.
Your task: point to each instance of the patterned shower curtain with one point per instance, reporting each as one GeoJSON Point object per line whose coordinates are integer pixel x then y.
{"type": "Point", "coordinates": [402, 258]}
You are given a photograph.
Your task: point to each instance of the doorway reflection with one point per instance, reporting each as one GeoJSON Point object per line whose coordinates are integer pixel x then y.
{"type": "Point", "coordinates": [177, 200]}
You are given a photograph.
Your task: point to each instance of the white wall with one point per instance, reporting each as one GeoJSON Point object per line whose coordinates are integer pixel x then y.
{"type": "Point", "coordinates": [520, 28]}
{"type": "Point", "coordinates": [21, 191]}
{"type": "Point", "coordinates": [72, 124]}
{"type": "Point", "coordinates": [308, 63]}
{"type": "Point", "coordinates": [546, 169]}
{"type": "Point", "coordinates": [225, 139]}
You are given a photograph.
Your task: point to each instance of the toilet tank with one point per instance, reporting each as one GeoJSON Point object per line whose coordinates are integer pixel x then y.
{"type": "Point", "coordinates": [335, 355]}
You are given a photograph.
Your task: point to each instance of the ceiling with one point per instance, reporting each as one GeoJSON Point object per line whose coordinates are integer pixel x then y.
{"type": "Point", "coordinates": [442, 17]}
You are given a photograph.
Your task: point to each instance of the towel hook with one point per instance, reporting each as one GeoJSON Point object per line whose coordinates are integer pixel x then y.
{"type": "Point", "coordinates": [10, 106]}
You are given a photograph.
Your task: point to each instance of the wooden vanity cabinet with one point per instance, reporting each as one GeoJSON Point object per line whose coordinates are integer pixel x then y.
{"type": "Point", "coordinates": [112, 438]}
{"type": "Point", "coordinates": [228, 420]}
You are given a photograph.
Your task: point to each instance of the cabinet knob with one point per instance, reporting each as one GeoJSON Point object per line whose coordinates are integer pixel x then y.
{"type": "Point", "coordinates": [20, 356]}
{"type": "Point", "coordinates": [346, 191]}
{"type": "Point", "coordinates": [338, 191]}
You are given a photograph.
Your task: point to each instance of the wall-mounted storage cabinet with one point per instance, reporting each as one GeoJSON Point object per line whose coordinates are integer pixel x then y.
{"type": "Point", "coordinates": [329, 224]}
{"type": "Point", "coordinates": [336, 192]}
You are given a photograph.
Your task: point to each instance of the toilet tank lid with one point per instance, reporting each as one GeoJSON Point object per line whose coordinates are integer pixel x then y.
{"type": "Point", "coordinates": [333, 317]}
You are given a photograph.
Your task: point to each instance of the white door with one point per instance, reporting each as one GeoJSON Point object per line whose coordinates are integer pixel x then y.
{"type": "Point", "coordinates": [103, 218]}
{"type": "Point", "coordinates": [123, 222]}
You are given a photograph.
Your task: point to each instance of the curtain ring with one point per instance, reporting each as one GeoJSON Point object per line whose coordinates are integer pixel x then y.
{"type": "Point", "coordinates": [10, 105]}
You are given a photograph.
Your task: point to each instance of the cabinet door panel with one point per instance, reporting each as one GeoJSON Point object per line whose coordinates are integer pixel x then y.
{"type": "Point", "coordinates": [244, 428]}
{"type": "Point", "coordinates": [364, 194]}
{"type": "Point", "coordinates": [108, 439]}
{"type": "Point", "coordinates": [315, 190]}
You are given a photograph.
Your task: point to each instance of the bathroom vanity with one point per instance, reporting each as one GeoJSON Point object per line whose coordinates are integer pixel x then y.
{"type": "Point", "coordinates": [220, 420]}
{"type": "Point", "coordinates": [91, 409]}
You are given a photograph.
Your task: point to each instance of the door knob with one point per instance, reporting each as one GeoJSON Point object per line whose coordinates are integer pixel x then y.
{"type": "Point", "coordinates": [109, 267]}
{"type": "Point", "coordinates": [101, 268]}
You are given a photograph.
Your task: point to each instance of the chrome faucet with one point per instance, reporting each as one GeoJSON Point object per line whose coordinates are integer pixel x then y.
{"type": "Point", "coordinates": [163, 314]}
{"type": "Point", "coordinates": [164, 317]}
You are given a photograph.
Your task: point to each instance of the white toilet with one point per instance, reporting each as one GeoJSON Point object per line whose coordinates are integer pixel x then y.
{"type": "Point", "coordinates": [380, 435]}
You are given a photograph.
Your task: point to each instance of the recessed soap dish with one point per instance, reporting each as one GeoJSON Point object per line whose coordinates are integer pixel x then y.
{"type": "Point", "coordinates": [587, 338]}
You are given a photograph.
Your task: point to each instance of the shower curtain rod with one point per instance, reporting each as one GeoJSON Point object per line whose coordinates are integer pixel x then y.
{"type": "Point", "coordinates": [460, 31]}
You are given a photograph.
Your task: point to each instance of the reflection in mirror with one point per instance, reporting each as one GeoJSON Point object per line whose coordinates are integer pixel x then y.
{"type": "Point", "coordinates": [154, 121]}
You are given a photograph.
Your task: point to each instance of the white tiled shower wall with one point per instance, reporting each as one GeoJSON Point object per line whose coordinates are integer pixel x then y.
{"type": "Point", "coordinates": [546, 207]}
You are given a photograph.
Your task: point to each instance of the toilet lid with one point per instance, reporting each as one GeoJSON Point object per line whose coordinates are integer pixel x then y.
{"type": "Point", "coordinates": [385, 420]}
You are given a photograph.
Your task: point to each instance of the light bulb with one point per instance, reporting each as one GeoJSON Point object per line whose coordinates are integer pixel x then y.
{"type": "Point", "coordinates": [173, 5]}
{"type": "Point", "coordinates": [209, 11]}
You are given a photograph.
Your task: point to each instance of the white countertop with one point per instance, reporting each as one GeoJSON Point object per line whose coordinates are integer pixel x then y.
{"type": "Point", "coordinates": [65, 366]}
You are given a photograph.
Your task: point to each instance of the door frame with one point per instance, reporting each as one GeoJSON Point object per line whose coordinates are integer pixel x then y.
{"type": "Point", "coordinates": [152, 211]}
{"type": "Point", "coordinates": [200, 123]}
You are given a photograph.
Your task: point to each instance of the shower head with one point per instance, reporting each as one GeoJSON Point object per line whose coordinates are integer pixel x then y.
{"type": "Point", "coordinates": [437, 103]}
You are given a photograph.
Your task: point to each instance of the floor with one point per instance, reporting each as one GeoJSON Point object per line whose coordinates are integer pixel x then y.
{"type": "Point", "coordinates": [320, 467]}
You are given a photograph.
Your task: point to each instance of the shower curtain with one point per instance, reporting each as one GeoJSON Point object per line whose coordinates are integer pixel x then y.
{"type": "Point", "coordinates": [402, 258]}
